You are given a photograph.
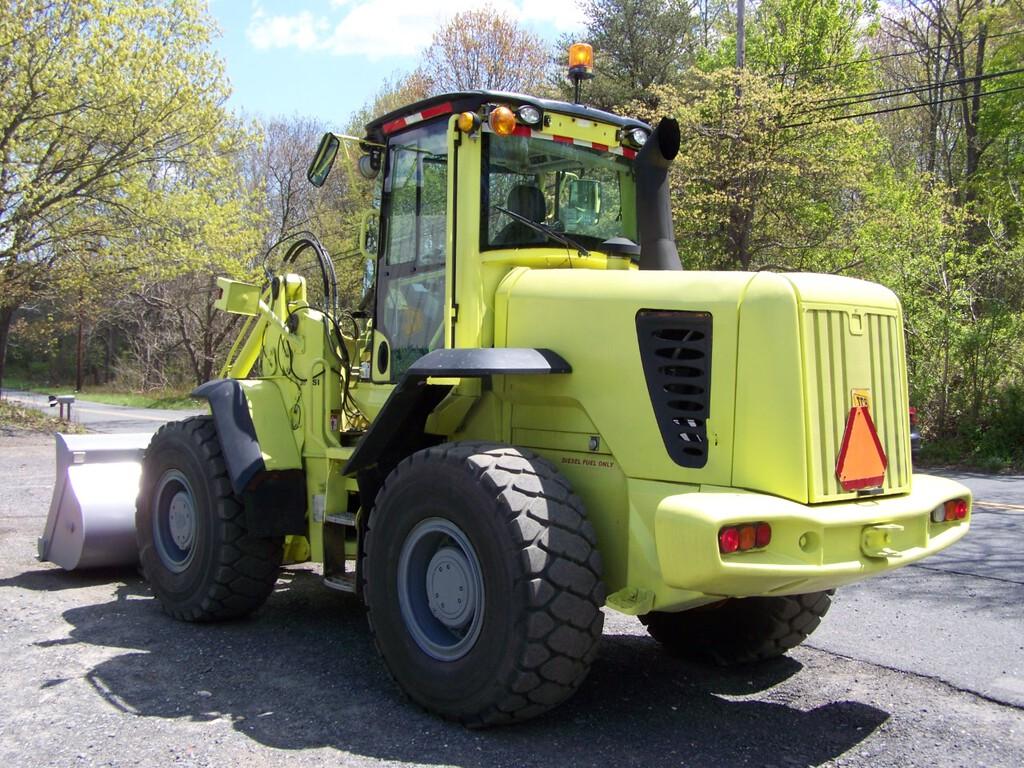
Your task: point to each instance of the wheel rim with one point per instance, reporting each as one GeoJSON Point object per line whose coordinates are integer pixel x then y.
{"type": "Point", "coordinates": [440, 589]}
{"type": "Point", "coordinates": [174, 521]}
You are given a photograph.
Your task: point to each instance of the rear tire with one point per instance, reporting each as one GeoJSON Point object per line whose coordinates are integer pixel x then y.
{"type": "Point", "coordinates": [195, 549]}
{"type": "Point", "coordinates": [740, 631]}
{"type": "Point", "coordinates": [483, 583]}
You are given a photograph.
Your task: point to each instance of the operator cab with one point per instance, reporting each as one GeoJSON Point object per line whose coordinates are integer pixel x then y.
{"type": "Point", "coordinates": [473, 180]}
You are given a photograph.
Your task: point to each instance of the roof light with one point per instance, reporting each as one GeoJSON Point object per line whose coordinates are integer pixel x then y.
{"type": "Point", "coordinates": [528, 114]}
{"type": "Point", "coordinates": [634, 138]}
{"type": "Point", "coordinates": [468, 122]}
{"type": "Point", "coordinates": [502, 121]}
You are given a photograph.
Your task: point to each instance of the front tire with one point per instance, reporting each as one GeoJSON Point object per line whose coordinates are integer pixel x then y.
{"type": "Point", "coordinates": [740, 631]}
{"type": "Point", "coordinates": [194, 546]}
{"type": "Point", "coordinates": [482, 583]}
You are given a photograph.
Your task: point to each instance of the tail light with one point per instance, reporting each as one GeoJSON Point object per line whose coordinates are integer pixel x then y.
{"type": "Point", "coordinates": [913, 416]}
{"type": "Point", "coordinates": [952, 510]}
{"type": "Point", "coordinates": [728, 540]}
{"type": "Point", "coordinates": [740, 538]}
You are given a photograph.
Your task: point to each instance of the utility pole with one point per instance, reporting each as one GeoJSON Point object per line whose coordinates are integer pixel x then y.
{"type": "Point", "coordinates": [79, 356]}
{"type": "Point", "coordinates": [741, 43]}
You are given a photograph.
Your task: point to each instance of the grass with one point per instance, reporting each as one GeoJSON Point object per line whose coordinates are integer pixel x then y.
{"type": "Point", "coordinates": [13, 415]}
{"type": "Point", "coordinates": [165, 398]}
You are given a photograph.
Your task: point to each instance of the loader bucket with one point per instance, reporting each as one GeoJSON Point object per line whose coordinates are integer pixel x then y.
{"type": "Point", "coordinates": [92, 514]}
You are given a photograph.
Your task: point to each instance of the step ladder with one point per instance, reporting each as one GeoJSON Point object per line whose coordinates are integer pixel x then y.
{"type": "Point", "coordinates": [337, 574]}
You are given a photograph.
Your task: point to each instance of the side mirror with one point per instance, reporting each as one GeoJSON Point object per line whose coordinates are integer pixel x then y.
{"type": "Point", "coordinates": [324, 159]}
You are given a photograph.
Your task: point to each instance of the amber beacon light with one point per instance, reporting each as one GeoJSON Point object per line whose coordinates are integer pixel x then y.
{"type": "Point", "coordinates": [581, 65]}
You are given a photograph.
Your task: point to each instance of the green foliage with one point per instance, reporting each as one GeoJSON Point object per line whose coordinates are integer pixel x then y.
{"type": "Point", "coordinates": [750, 193]}
{"type": "Point", "coordinates": [810, 40]}
{"type": "Point", "coordinates": [172, 399]}
{"type": "Point", "coordinates": [115, 150]}
{"type": "Point", "coordinates": [638, 44]}
{"type": "Point", "coordinates": [959, 340]}
{"type": "Point", "coordinates": [1000, 434]}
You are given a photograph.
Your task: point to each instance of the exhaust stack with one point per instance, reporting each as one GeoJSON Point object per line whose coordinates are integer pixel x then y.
{"type": "Point", "coordinates": [654, 205]}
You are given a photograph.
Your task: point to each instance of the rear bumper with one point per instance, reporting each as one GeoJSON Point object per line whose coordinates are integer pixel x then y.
{"type": "Point", "coordinates": [812, 548]}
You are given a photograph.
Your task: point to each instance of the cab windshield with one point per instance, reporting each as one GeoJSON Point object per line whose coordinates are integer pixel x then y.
{"type": "Point", "coordinates": [587, 194]}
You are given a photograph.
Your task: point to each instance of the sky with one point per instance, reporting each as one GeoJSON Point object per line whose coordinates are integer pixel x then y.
{"type": "Point", "coordinates": [327, 58]}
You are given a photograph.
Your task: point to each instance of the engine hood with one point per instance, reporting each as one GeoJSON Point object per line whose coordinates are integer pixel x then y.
{"type": "Point", "coordinates": [785, 352]}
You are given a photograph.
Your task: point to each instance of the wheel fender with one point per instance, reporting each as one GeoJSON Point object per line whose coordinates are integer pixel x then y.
{"type": "Point", "coordinates": [393, 433]}
{"type": "Point", "coordinates": [262, 459]}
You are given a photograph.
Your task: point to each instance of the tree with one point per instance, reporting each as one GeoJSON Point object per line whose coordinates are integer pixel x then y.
{"type": "Point", "coordinates": [638, 45]}
{"type": "Point", "coordinates": [395, 92]}
{"type": "Point", "coordinates": [954, 49]}
{"type": "Point", "coordinates": [753, 189]}
{"type": "Point", "coordinates": [810, 41]}
{"type": "Point", "coordinates": [100, 101]}
{"type": "Point", "coordinates": [286, 203]}
{"type": "Point", "coordinates": [484, 49]}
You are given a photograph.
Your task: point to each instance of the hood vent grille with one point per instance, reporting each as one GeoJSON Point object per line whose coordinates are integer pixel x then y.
{"type": "Point", "coordinates": [675, 348]}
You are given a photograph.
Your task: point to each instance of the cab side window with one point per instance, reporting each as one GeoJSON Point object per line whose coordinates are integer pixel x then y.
{"type": "Point", "coordinates": [412, 275]}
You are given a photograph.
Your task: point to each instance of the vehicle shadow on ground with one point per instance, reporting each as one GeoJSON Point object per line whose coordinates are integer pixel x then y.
{"type": "Point", "coordinates": [303, 674]}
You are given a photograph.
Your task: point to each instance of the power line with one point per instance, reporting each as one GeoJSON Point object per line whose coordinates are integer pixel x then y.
{"type": "Point", "coordinates": [883, 57]}
{"type": "Point", "coordinates": [901, 107]}
{"type": "Point", "coordinates": [860, 98]}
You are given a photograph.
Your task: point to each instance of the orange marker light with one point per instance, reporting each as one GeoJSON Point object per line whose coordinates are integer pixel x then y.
{"type": "Point", "coordinates": [581, 57]}
{"type": "Point", "coordinates": [468, 122]}
{"type": "Point", "coordinates": [748, 537]}
{"type": "Point", "coordinates": [502, 121]}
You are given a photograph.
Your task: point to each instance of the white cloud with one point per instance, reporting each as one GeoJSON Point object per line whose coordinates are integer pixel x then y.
{"type": "Point", "coordinates": [379, 29]}
{"type": "Point", "coordinates": [302, 31]}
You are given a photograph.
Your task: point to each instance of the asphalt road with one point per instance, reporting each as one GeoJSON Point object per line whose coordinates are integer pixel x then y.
{"type": "Point", "coordinates": [101, 417]}
{"type": "Point", "coordinates": [919, 668]}
{"type": "Point", "coordinates": [957, 616]}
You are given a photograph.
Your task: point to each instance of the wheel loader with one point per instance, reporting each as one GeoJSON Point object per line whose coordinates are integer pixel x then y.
{"type": "Point", "coordinates": [536, 416]}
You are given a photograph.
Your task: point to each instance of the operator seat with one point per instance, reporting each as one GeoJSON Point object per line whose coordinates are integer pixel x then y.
{"type": "Point", "coordinates": [526, 200]}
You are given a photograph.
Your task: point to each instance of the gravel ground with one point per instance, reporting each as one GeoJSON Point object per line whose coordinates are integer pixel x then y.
{"type": "Point", "coordinates": [92, 673]}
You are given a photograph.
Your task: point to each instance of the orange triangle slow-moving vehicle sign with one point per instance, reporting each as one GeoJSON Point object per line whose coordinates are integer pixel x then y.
{"type": "Point", "coordinates": [862, 461]}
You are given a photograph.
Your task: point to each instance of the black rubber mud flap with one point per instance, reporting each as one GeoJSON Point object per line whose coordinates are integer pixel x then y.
{"type": "Point", "coordinates": [411, 401]}
{"type": "Point", "coordinates": [275, 501]}
{"type": "Point", "coordinates": [235, 430]}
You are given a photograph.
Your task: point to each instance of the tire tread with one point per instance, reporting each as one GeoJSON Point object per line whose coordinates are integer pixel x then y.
{"type": "Point", "coordinates": [247, 566]}
{"type": "Point", "coordinates": [561, 574]}
{"type": "Point", "coordinates": [740, 631]}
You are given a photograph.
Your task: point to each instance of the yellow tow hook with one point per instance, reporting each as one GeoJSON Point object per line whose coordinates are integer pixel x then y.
{"type": "Point", "coordinates": [875, 541]}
